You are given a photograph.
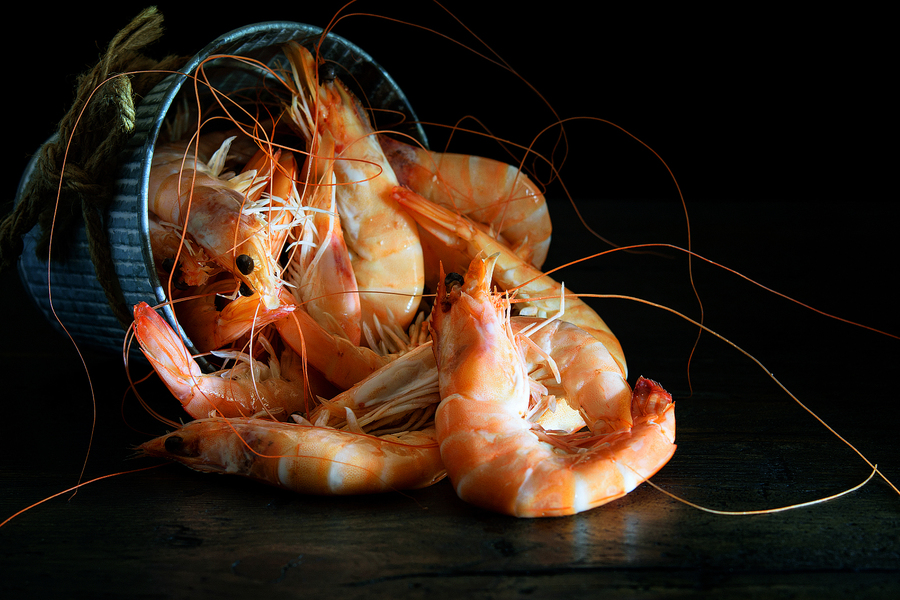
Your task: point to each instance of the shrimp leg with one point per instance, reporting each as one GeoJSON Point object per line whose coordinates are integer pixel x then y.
{"type": "Point", "coordinates": [397, 397]}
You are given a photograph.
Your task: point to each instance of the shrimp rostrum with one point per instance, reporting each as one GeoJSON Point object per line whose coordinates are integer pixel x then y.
{"type": "Point", "coordinates": [495, 457]}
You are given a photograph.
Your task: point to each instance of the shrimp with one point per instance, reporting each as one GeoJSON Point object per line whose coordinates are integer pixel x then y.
{"type": "Point", "coordinates": [536, 292]}
{"type": "Point", "coordinates": [488, 191]}
{"type": "Point", "coordinates": [211, 212]}
{"type": "Point", "coordinates": [304, 458]}
{"type": "Point", "coordinates": [319, 269]}
{"type": "Point", "coordinates": [244, 390]}
{"type": "Point", "coordinates": [263, 171]}
{"type": "Point", "coordinates": [383, 239]}
{"type": "Point", "coordinates": [494, 457]}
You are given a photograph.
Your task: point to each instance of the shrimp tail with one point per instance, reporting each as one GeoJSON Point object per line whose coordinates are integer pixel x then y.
{"type": "Point", "coordinates": [451, 229]}
{"type": "Point", "coordinates": [166, 352]}
{"type": "Point", "coordinates": [650, 403]}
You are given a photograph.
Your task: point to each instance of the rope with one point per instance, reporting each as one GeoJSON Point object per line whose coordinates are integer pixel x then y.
{"type": "Point", "coordinates": [86, 186]}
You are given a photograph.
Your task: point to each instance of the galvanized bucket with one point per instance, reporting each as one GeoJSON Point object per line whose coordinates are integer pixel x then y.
{"type": "Point", "coordinates": [78, 297]}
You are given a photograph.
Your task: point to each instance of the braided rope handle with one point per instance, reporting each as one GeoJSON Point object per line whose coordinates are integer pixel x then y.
{"type": "Point", "coordinates": [89, 141]}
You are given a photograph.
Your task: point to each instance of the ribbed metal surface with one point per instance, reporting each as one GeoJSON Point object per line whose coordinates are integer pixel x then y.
{"type": "Point", "coordinates": [77, 296]}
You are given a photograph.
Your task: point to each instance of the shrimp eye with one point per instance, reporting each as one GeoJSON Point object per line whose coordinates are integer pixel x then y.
{"type": "Point", "coordinates": [244, 263]}
{"type": "Point", "coordinates": [453, 279]}
{"type": "Point", "coordinates": [245, 290]}
{"type": "Point", "coordinates": [326, 73]}
{"type": "Point", "coordinates": [174, 444]}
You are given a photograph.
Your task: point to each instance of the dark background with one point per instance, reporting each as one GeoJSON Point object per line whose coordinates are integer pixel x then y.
{"type": "Point", "coordinates": [779, 129]}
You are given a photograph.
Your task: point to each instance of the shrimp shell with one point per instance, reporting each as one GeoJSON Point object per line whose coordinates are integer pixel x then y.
{"type": "Point", "coordinates": [304, 458]}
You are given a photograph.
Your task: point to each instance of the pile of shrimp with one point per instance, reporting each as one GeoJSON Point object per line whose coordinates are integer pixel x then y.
{"type": "Point", "coordinates": [377, 318]}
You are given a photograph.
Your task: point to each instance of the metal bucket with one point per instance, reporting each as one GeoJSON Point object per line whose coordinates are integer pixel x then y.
{"type": "Point", "coordinates": [78, 297]}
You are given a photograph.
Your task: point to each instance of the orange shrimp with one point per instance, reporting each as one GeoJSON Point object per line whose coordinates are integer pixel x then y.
{"type": "Point", "coordinates": [383, 240]}
{"type": "Point", "coordinates": [211, 211]}
{"type": "Point", "coordinates": [488, 191]}
{"type": "Point", "coordinates": [494, 457]}
{"type": "Point", "coordinates": [304, 458]}
{"type": "Point", "coordinates": [250, 388]}
{"type": "Point", "coordinates": [320, 268]}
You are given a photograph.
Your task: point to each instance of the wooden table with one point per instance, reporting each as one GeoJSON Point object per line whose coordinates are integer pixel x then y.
{"type": "Point", "coordinates": [827, 238]}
